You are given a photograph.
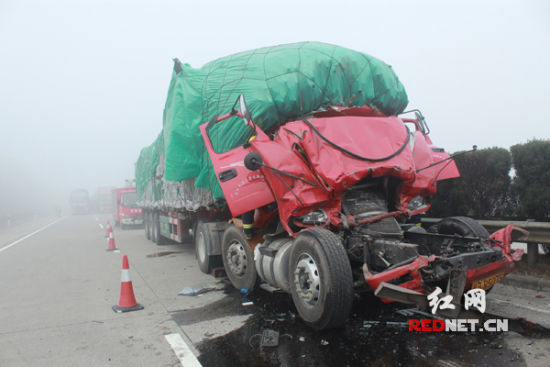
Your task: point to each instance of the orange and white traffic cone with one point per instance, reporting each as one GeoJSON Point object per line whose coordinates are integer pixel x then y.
{"type": "Point", "coordinates": [109, 229]}
{"type": "Point", "coordinates": [112, 245]}
{"type": "Point", "coordinates": [127, 300]}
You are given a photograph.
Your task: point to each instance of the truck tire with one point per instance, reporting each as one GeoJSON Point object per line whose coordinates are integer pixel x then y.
{"type": "Point", "coordinates": [202, 246]}
{"type": "Point", "coordinates": [147, 223]}
{"type": "Point", "coordinates": [463, 226]}
{"type": "Point", "coordinates": [238, 259]}
{"type": "Point", "coordinates": [321, 281]}
{"type": "Point", "coordinates": [159, 238]}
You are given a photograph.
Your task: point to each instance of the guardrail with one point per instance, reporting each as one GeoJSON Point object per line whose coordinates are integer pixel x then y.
{"type": "Point", "coordinates": [539, 232]}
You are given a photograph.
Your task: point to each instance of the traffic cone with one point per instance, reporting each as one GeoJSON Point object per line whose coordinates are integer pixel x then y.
{"type": "Point", "coordinates": [109, 229]}
{"type": "Point", "coordinates": [127, 300]}
{"type": "Point", "coordinates": [112, 245]}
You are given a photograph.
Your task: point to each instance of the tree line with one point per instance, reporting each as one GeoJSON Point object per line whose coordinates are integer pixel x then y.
{"type": "Point", "coordinates": [497, 183]}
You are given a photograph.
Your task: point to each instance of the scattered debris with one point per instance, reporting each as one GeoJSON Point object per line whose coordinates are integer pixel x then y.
{"type": "Point", "coordinates": [324, 342]}
{"type": "Point", "coordinates": [540, 296]}
{"type": "Point", "coordinates": [268, 288]}
{"type": "Point", "coordinates": [248, 303]}
{"type": "Point", "coordinates": [368, 323]}
{"type": "Point", "coordinates": [200, 289]}
{"type": "Point", "coordinates": [302, 339]}
{"type": "Point", "coordinates": [270, 338]}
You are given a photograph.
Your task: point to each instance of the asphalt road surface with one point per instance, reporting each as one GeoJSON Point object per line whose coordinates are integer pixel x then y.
{"type": "Point", "coordinates": [58, 286]}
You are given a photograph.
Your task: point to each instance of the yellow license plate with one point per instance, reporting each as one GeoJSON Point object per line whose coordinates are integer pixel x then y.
{"type": "Point", "coordinates": [488, 282]}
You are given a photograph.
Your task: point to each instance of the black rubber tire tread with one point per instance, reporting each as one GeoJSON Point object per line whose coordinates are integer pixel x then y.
{"type": "Point", "coordinates": [464, 226]}
{"type": "Point", "coordinates": [147, 225]}
{"type": "Point", "coordinates": [159, 239]}
{"type": "Point", "coordinates": [152, 227]}
{"type": "Point", "coordinates": [249, 279]}
{"type": "Point", "coordinates": [200, 227]}
{"type": "Point", "coordinates": [336, 277]}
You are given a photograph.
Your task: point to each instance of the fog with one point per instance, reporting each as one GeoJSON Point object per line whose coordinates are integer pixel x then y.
{"type": "Point", "coordinates": [83, 83]}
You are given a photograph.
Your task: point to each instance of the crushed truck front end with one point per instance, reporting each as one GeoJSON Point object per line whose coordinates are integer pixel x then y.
{"type": "Point", "coordinates": [347, 186]}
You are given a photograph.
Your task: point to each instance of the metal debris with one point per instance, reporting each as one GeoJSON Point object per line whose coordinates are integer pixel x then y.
{"type": "Point", "coordinates": [270, 338]}
{"type": "Point", "coordinates": [200, 289]}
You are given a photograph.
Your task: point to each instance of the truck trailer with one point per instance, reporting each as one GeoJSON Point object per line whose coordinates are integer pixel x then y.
{"type": "Point", "coordinates": [313, 186]}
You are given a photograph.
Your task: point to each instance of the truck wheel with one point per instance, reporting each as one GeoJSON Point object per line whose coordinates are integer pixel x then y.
{"type": "Point", "coordinates": [147, 225]}
{"type": "Point", "coordinates": [152, 227]}
{"type": "Point", "coordinates": [321, 282]}
{"type": "Point", "coordinates": [159, 238]}
{"type": "Point", "coordinates": [238, 259]}
{"type": "Point", "coordinates": [463, 226]}
{"type": "Point", "coordinates": [202, 246]}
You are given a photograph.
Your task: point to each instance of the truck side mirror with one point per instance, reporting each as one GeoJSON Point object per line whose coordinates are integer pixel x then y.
{"type": "Point", "coordinates": [253, 161]}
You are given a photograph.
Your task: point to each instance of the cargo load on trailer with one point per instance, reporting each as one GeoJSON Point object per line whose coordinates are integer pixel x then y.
{"type": "Point", "coordinates": [296, 166]}
{"type": "Point", "coordinates": [281, 84]}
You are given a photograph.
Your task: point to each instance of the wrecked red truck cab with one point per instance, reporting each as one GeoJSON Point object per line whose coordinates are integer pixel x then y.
{"type": "Point", "coordinates": [339, 189]}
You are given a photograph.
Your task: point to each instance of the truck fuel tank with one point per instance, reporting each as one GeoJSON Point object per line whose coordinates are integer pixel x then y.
{"type": "Point", "coordinates": [271, 259]}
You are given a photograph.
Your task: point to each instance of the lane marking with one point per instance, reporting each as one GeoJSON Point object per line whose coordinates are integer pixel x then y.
{"type": "Point", "coordinates": [182, 350]}
{"type": "Point", "coordinates": [30, 235]}
{"type": "Point", "coordinates": [100, 225]}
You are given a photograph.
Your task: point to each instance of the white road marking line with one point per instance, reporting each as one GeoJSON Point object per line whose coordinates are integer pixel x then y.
{"type": "Point", "coordinates": [100, 225]}
{"type": "Point", "coordinates": [30, 234]}
{"type": "Point", "coordinates": [182, 350]}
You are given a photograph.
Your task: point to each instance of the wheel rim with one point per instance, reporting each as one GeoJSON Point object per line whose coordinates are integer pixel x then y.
{"type": "Point", "coordinates": [201, 247]}
{"type": "Point", "coordinates": [307, 280]}
{"type": "Point", "coordinates": [237, 258]}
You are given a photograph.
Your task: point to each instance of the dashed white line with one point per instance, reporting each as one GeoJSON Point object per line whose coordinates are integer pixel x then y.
{"type": "Point", "coordinates": [100, 225]}
{"type": "Point", "coordinates": [29, 235]}
{"type": "Point", "coordinates": [182, 350]}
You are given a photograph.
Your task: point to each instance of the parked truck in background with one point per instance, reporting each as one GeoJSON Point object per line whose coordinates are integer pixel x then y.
{"type": "Point", "coordinates": [79, 201]}
{"type": "Point", "coordinates": [104, 200]}
{"type": "Point", "coordinates": [315, 201]}
{"type": "Point", "coordinates": [127, 213]}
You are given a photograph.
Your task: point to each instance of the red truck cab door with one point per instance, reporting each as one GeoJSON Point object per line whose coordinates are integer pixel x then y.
{"type": "Point", "coordinates": [244, 190]}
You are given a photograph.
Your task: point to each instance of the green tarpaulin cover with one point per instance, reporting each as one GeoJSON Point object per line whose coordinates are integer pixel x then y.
{"type": "Point", "coordinates": [280, 84]}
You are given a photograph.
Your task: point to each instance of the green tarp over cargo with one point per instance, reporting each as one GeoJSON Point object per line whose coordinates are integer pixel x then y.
{"type": "Point", "coordinates": [147, 163]}
{"type": "Point", "coordinates": [280, 84]}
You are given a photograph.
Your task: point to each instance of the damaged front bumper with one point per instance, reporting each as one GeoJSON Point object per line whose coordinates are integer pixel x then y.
{"type": "Point", "coordinates": [408, 283]}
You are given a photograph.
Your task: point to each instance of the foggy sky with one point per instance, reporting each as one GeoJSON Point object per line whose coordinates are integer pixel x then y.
{"type": "Point", "coordinates": [83, 83]}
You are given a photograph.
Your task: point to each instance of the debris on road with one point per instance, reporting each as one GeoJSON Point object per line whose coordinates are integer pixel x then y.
{"type": "Point", "coordinates": [369, 323]}
{"type": "Point", "coordinates": [270, 338]}
{"type": "Point", "coordinates": [200, 289]}
{"type": "Point", "coordinates": [324, 342]}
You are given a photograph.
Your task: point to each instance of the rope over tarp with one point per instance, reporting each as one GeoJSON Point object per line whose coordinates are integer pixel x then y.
{"type": "Point", "coordinates": [281, 83]}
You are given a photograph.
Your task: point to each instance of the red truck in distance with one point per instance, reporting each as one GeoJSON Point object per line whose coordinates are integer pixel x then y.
{"type": "Point", "coordinates": [80, 201]}
{"type": "Point", "coordinates": [126, 212]}
{"type": "Point", "coordinates": [104, 200]}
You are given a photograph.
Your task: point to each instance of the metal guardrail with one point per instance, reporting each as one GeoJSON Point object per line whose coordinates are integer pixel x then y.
{"type": "Point", "coordinates": [539, 232]}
